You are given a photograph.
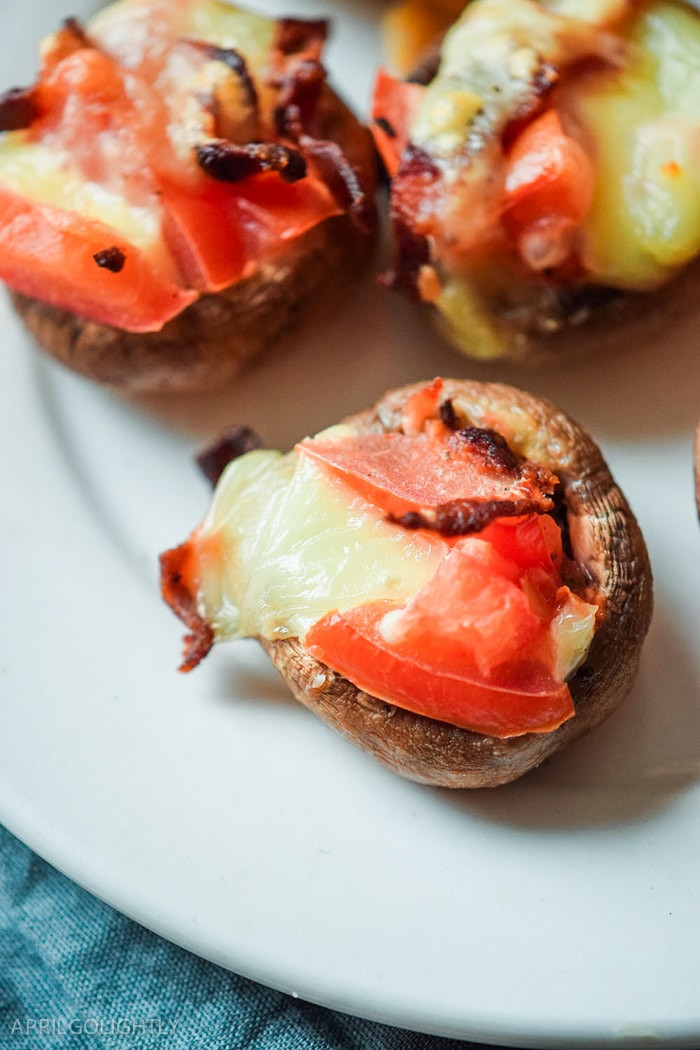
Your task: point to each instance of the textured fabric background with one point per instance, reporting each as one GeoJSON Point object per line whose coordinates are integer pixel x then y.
{"type": "Point", "coordinates": [76, 974]}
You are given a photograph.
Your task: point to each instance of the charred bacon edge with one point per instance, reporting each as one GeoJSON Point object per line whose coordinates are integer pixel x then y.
{"type": "Point", "coordinates": [226, 161]}
{"type": "Point", "coordinates": [464, 517]}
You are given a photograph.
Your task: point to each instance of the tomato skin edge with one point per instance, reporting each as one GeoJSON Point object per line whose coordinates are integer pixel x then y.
{"type": "Point", "coordinates": [400, 679]}
{"type": "Point", "coordinates": [47, 236]}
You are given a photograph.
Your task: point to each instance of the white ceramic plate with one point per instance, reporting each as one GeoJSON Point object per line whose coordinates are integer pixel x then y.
{"type": "Point", "coordinates": [561, 910]}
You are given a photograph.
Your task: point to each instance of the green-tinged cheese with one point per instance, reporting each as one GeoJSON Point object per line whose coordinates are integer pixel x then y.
{"type": "Point", "coordinates": [289, 544]}
{"type": "Point", "coordinates": [464, 313]}
{"type": "Point", "coordinates": [572, 631]}
{"type": "Point", "coordinates": [644, 126]}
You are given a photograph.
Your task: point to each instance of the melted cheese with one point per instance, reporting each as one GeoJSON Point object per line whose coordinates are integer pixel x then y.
{"type": "Point", "coordinates": [283, 544]}
{"type": "Point", "coordinates": [644, 127]}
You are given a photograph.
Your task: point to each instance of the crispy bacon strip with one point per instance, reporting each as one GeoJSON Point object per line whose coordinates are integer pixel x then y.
{"type": "Point", "coordinates": [228, 162]}
{"type": "Point", "coordinates": [338, 174]}
{"type": "Point", "coordinates": [412, 248]}
{"type": "Point", "coordinates": [463, 517]}
{"type": "Point", "coordinates": [299, 92]}
{"type": "Point", "coordinates": [497, 454]}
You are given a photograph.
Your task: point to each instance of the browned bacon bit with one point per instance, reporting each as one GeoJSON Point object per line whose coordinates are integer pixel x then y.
{"type": "Point", "coordinates": [235, 61]}
{"type": "Point", "coordinates": [299, 92]}
{"type": "Point", "coordinates": [231, 444]}
{"type": "Point", "coordinates": [229, 162]}
{"type": "Point", "coordinates": [295, 35]}
{"type": "Point", "coordinates": [339, 176]}
{"type": "Point", "coordinates": [417, 163]}
{"type": "Point", "coordinates": [112, 259]}
{"type": "Point", "coordinates": [174, 569]}
{"type": "Point", "coordinates": [448, 416]}
{"type": "Point", "coordinates": [462, 517]}
{"type": "Point", "coordinates": [493, 447]}
{"type": "Point", "coordinates": [412, 248]}
{"type": "Point", "coordinates": [412, 252]}
{"type": "Point", "coordinates": [18, 109]}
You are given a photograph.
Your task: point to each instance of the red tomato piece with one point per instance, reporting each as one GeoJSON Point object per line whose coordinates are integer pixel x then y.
{"type": "Point", "coordinates": [395, 103]}
{"type": "Point", "coordinates": [548, 175]}
{"type": "Point", "coordinates": [531, 542]}
{"type": "Point", "coordinates": [421, 407]}
{"type": "Point", "coordinates": [218, 232]}
{"type": "Point", "coordinates": [110, 123]}
{"type": "Point", "coordinates": [526, 700]}
{"type": "Point", "coordinates": [50, 253]}
{"type": "Point", "coordinates": [472, 611]}
{"type": "Point", "coordinates": [473, 646]}
{"type": "Point", "coordinates": [399, 473]}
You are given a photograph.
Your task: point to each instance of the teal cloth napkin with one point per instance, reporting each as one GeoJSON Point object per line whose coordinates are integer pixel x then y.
{"type": "Point", "coordinates": [77, 975]}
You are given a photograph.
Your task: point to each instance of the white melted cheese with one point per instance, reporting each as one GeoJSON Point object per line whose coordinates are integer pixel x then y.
{"type": "Point", "coordinates": [284, 544]}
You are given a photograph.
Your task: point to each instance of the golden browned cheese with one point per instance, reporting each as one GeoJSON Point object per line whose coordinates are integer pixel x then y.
{"type": "Point", "coordinates": [605, 538]}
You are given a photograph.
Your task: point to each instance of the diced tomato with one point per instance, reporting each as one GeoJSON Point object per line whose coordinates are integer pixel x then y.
{"type": "Point", "coordinates": [219, 232]}
{"type": "Point", "coordinates": [50, 253]}
{"type": "Point", "coordinates": [473, 647]}
{"type": "Point", "coordinates": [471, 611]}
{"type": "Point", "coordinates": [399, 473]}
{"type": "Point", "coordinates": [524, 698]}
{"type": "Point", "coordinates": [205, 239]}
{"type": "Point", "coordinates": [533, 541]}
{"type": "Point", "coordinates": [548, 175]}
{"type": "Point", "coordinates": [395, 103]}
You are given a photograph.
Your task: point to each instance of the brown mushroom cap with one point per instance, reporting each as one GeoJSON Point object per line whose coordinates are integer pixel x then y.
{"type": "Point", "coordinates": [605, 538]}
{"type": "Point", "coordinates": [208, 343]}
